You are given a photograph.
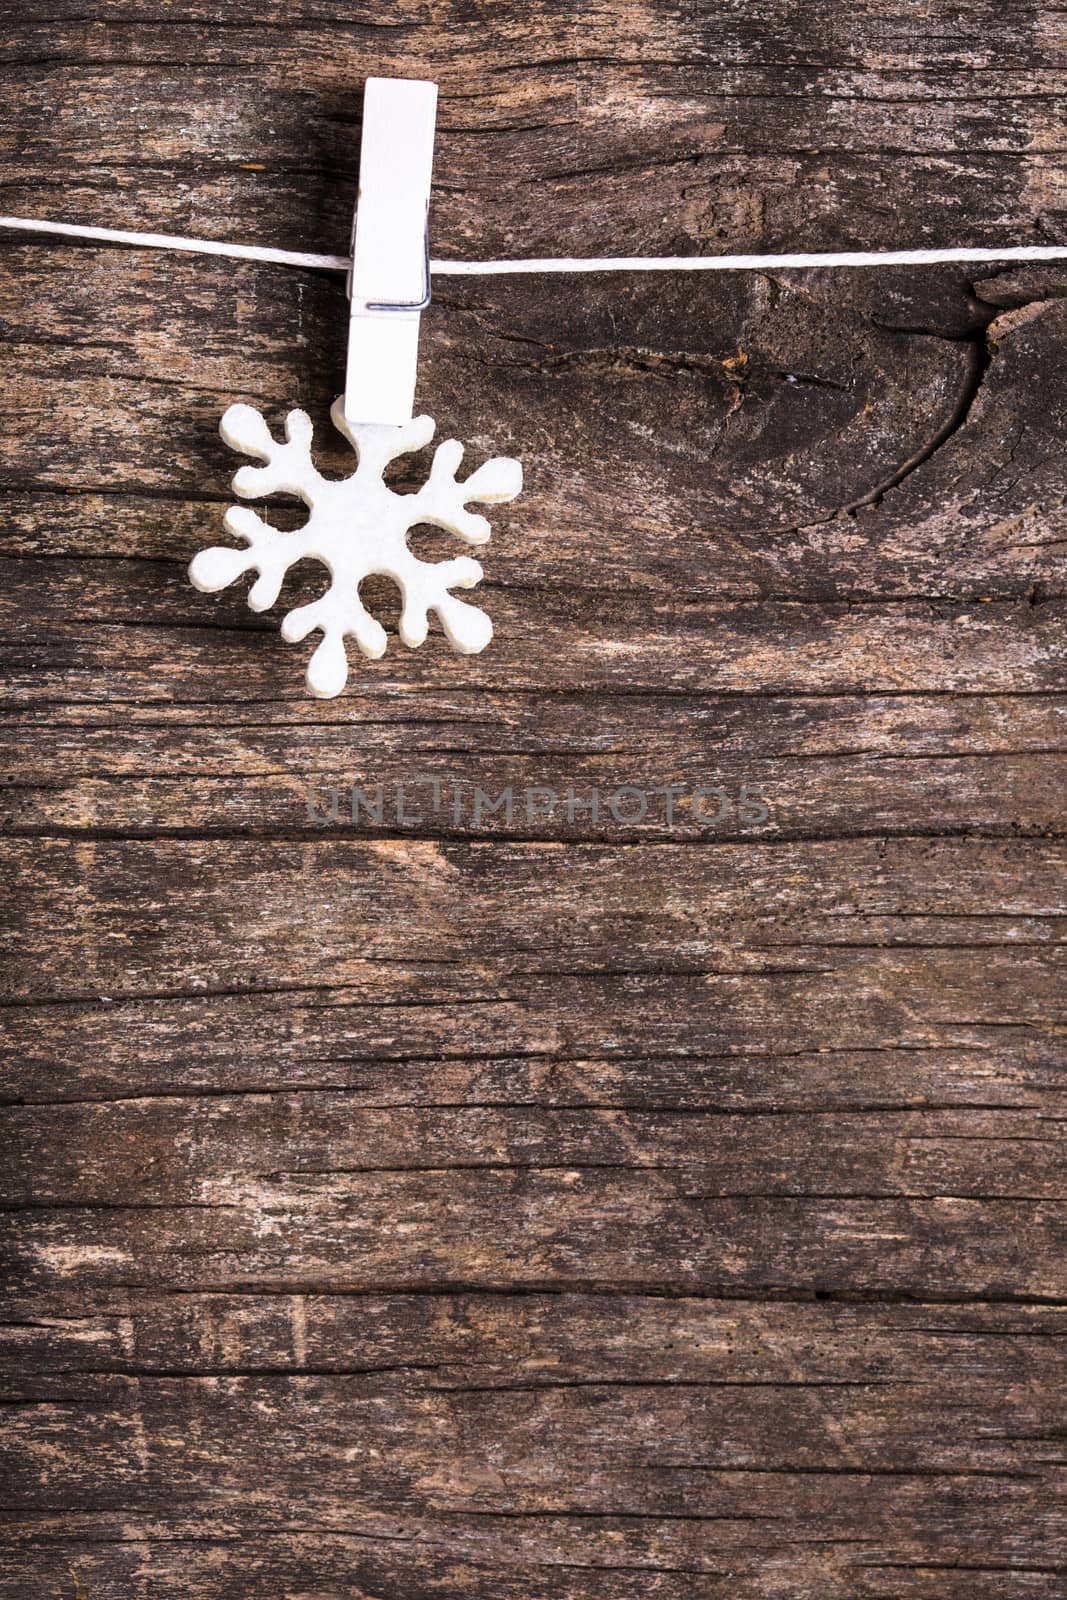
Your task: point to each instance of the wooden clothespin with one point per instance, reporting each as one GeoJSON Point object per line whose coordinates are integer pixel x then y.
{"type": "Point", "coordinates": [389, 282]}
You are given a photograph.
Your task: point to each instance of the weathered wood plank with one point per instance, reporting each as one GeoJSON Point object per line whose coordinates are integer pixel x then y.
{"type": "Point", "coordinates": [542, 1229]}
{"type": "Point", "coordinates": [538, 1364]}
{"type": "Point", "coordinates": [177, 1152]}
{"type": "Point", "coordinates": [755, 433]}
{"type": "Point", "coordinates": [148, 917]}
{"type": "Point", "coordinates": [914, 647]}
{"type": "Point", "coordinates": [761, 1535]}
{"type": "Point", "coordinates": [693, 124]}
{"type": "Point", "coordinates": [132, 1050]}
{"type": "Point", "coordinates": [152, 1433]}
{"type": "Point", "coordinates": [302, 1125]}
{"type": "Point", "coordinates": [607, 633]}
{"type": "Point", "coordinates": [621, 796]}
{"type": "Point", "coordinates": [530, 1339]}
{"type": "Point", "coordinates": [819, 765]}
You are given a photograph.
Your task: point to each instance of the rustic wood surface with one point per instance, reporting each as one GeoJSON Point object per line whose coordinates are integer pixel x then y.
{"type": "Point", "coordinates": [543, 1206]}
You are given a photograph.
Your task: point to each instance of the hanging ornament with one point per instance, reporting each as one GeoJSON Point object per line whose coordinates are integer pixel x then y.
{"type": "Point", "coordinates": [357, 527]}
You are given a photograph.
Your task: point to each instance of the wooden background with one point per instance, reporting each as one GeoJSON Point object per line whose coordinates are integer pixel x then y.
{"type": "Point", "coordinates": [555, 1208]}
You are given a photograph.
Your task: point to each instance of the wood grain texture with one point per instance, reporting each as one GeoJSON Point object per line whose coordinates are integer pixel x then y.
{"type": "Point", "coordinates": [478, 1202]}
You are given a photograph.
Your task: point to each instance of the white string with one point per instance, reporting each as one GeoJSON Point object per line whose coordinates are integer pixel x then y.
{"type": "Point", "coordinates": [174, 241]}
{"type": "Point", "coordinates": [543, 264]}
{"type": "Point", "coordinates": [818, 258]}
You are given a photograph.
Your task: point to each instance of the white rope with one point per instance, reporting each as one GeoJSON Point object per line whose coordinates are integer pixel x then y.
{"type": "Point", "coordinates": [543, 264]}
{"type": "Point", "coordinates": [174, 241]}
{"type": "Point", "coordinates": [818, 258]}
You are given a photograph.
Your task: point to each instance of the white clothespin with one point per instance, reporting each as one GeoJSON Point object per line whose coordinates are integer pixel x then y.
{"type": "Point", "coordinates": [389, 283]}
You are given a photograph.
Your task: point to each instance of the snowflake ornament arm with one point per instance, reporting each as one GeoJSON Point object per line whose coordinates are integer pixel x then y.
{"type": "Point", "coordinates": [356, 527]}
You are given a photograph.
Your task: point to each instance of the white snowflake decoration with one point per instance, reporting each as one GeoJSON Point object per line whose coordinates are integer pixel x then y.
{"type": "Point", "coordinates": [357, 527]}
